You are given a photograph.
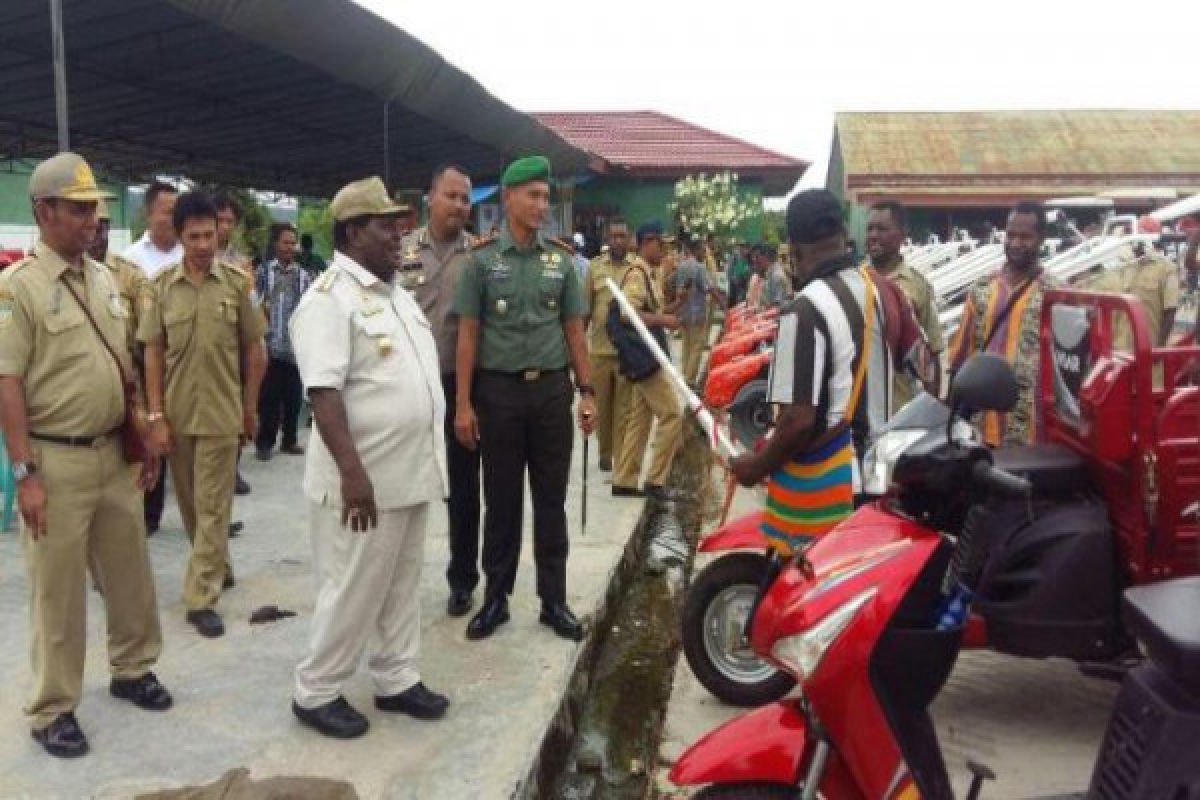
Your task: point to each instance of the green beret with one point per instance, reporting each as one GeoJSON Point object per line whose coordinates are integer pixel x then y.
{"type": "Point", "coordinates": [524, 170]}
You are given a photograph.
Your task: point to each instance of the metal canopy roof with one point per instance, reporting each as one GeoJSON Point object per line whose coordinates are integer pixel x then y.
{"type": "Point", "coordinates": [286, 95]}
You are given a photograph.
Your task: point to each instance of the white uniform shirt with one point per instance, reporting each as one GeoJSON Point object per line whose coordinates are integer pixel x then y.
{"type": "Point", "coordinates": [370, 341]}
{"type": "Point", "coordinates": [146, 255]}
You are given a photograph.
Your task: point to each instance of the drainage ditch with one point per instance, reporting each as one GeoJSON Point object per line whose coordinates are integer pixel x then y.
{"type": "Point", "coordinates": [604, 742]}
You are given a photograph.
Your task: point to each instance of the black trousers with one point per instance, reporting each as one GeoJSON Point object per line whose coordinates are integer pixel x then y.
{"type": "Point", "coordinates": [463, 506]}
{"type": "Point", "coordinates": [525, 424]}
{"type": "Point", "coordinates": [279, 404]}
{"type": "Point", "coordinates": [154, 499]}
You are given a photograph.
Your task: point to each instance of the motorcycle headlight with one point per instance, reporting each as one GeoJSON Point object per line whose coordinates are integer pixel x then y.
{"type": "Point", "coordinates": [803, 652]}
{"type": "Point", "coordinates": [882, 456]}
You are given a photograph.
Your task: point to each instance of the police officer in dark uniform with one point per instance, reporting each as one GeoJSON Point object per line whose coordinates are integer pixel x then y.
{"type": "Point", "coordinates": [520, 309]}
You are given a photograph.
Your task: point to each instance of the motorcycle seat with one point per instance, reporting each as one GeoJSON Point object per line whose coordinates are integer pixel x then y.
{"type": "Point", "coordinates": [1162, 616]}
{"type": "Point", "coordinates": [1051, 468]}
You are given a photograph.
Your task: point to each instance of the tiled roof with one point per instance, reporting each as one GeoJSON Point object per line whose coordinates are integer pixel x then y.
{"type": "Point", "coordinates": [649, 142]}
{"type": "Point", "coordinates": [974, 147]}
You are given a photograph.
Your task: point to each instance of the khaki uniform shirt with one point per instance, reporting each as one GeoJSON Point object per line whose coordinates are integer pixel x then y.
{"type": "Point", "coordinates": [133, 287]}
{"type": "Point", "coordinates": [597, 297]}
{"type": "Point", "coordinates": [919, 291]}
{"type": "Point", "coordinates": [203, 330]}
{"type": "Point", "coordinates": [521, 299]}
{"type": "Point", "coordinates": [369, 341]}
{"type": "Point", "coordinates": [642, 295]}
{"type": "Point", "coordinates": [434, 282]}
{"type": "Point", "coordinates": [72, 384]}
{"type": "Point", "coordinates": [1154, 281]}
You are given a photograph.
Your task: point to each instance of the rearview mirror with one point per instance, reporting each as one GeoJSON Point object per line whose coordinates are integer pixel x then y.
{"type": "Point", "coordinates": [985, 383]}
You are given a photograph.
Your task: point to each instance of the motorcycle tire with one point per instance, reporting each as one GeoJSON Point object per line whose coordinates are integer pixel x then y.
{"type": "Point", "coordinates": [748, 791]}
{"type": "Point", "coordinates": [750, 414]}
{"type": "Point", "coordinates": [730, 576]}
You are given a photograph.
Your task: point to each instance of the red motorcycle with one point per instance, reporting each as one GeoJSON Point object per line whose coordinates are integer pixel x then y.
{"type": "Point", "coordinates": [1116, 504]}
{"type": "Point", "coordinates": [871, 618]}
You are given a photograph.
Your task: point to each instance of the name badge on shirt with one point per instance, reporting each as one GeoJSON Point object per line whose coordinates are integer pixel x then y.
{"type": "Point", "coordinates": [385, 345]}
{"type": "Point", "coordinates": [370, 306]}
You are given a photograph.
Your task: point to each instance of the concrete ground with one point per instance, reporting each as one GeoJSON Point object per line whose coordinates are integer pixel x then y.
{"type": "Point", "coordinates": [1037, 724]}
{"type": "Point", "coordinates": [233, 694]}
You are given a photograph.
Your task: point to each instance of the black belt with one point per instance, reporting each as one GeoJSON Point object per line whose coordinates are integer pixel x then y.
{"type": "Point", "coordinates": [73, 441]}
{"type": "Point", "coordinates": [527, 375]}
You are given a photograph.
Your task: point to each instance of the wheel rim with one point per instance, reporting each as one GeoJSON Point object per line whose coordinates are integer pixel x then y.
{"type": "Point", "coordinates": [724, 639]}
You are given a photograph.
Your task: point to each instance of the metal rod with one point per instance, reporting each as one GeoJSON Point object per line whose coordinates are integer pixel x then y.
{"type": "Point", "coordinates": [60, 74]}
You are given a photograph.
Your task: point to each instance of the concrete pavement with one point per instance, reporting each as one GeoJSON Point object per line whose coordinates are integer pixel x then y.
{"type": "Point", "coordinates": [233, 694]}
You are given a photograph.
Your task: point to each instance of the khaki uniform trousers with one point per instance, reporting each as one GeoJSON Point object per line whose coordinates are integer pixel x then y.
{"type": "Point", "coordinates": [368, 593]}
{"type": "Point", "coordinates": [652, 398]}
{"type": "Point", "coordinates": [694, 339]}
{"type": "Point", "coordinates": [612, 405]}
{"type": "Point", "coordinates": [94, 516]}
{"type": "Point", "coordinates": [200, 468]}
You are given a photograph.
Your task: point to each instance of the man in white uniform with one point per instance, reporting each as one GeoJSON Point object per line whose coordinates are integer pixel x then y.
{"type": "Point", "coordinates": [376, 460]}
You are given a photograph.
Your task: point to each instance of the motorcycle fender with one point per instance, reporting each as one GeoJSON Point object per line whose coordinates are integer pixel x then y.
{"type": "Point", "coordinates": [743, 533]}
{"type": "Point", "coordinates": [765, 746]}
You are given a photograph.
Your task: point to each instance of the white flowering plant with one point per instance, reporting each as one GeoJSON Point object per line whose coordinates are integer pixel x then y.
{"type": "Point", "coordinates": [711, 204]}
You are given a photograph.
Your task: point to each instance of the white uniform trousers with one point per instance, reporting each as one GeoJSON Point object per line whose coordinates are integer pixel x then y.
{"type": "Point", "coordinates": [368, 588]}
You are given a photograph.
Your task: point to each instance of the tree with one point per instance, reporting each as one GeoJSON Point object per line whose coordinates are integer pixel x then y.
{"type": "Point", "coordinates": [774, 227]}
{"type": "Point", "coordinates": [315, 219]}
{"type": "Point", "coordinates": [706, 205]}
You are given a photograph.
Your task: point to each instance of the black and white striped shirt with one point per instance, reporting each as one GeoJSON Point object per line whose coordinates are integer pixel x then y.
{"type": "Point", "coordinates": [819, 346]}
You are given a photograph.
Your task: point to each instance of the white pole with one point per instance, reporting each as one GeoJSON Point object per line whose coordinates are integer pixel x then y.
{"type": "Point", "coordinates": [717, 439]}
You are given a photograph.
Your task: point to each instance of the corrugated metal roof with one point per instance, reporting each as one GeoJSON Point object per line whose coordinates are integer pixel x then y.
{"type": "Point", "coordinates": [653, 143]}
{"type": "Point", "coordinates": [974, 146]}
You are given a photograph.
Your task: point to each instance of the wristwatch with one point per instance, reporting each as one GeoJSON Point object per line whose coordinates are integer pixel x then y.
{"type": "Point", "coordinates": [586, 389]}
{"type": "Point", "coordinates": [23, 469]}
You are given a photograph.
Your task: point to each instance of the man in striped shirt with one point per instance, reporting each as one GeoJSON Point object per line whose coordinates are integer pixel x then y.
{"type": "Point", "coordinates": [831, 338]}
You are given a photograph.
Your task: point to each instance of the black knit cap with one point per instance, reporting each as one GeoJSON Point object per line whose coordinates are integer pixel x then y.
{"type": "Point", "coordinates": [813, 215]}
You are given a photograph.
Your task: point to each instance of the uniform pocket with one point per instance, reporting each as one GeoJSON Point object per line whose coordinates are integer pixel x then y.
{"type": "Point", "coordinates": [379, 330]}
{"type": "Point", "coordinates": [550, 287]}
{"type": "Point", "coordinates": [179, 324]}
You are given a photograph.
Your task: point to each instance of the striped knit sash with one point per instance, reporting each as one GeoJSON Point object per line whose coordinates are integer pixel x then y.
{"type": "Point", "coordinates": [814, 491]}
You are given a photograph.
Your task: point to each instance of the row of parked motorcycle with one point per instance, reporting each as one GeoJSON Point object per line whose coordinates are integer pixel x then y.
{"type": "Point", "coordinates": [1084, 547]}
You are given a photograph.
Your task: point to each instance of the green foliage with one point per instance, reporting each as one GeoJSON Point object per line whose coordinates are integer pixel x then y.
{"type": "Point", "coordinates": [252, 234]}
{"type": "Point", "coordinates": [706, 205]}
{"type": "Point", "coordinates": [315, 219]}
{"type": "Point", "coordinates": [774, 227]}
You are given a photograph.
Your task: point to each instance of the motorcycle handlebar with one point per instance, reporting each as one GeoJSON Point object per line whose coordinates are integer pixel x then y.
{"type": "Point", "coordinates": [998, 481]}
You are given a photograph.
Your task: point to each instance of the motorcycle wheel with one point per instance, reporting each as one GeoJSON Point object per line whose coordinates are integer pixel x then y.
{"type": "Point", "coordinates": [748, 791]}
{"type": "Point", "coordinates": [714, 618]}
{"type": "Point", "coordinates": [750, 414]}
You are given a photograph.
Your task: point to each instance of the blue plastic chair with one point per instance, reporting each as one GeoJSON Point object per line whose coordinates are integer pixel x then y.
{"type": "Point", "coordinates": [8, 487]}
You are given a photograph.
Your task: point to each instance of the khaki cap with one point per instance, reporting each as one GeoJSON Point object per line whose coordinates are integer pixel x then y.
{"type": "Point", "coordinates": [102, 210]}
{"type": "Point", "coordinates": [65, 176]}
{"type": "Point", "coordinates": [365, 198]}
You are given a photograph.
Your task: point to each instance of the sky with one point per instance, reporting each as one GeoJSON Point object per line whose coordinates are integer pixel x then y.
{"type": "Point", "coordinates": [774, 72]}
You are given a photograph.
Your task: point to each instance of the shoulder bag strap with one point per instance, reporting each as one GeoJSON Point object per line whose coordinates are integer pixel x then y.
{"type": "Point", "coordinates": [996, 324]}
{"type": "Point", "coordinates": [125, 381]}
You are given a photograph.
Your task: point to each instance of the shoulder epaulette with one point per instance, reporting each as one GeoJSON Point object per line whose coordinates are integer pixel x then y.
{"type": "Point", "coordinates": [483, 241]}
{"type": "Point", "coordinates": [236, 269]}
{"type": "Point", "coordinates": [561, 243]}
{"type": "Point", "coordinates": [325, 281]}
{"type": "Point", "coordinates": [20, 264]}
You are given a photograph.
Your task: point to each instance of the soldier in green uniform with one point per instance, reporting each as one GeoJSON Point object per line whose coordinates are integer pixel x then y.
{"type": "Point", "coordinates": [520, 316]}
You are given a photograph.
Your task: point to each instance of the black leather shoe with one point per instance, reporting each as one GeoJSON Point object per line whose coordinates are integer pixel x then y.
{"type": "Point", "coordinates": [606, 465]}
{"type": "Point", "coordinates": [560, 618]}
{"type": "Point", "coordinates": [336, 718]}
{"type": "Point", "coordinates": [460, 602]}
{"type": "Point", "coordinates": [63, 737]}
{"type": "Point", "coordinates": [263, 453]}
{"type": "Point", "coordinates": [292, 450]}
{"type": "Point", "coordinates": [240, 487]}
{"type": "Point", "coordinates": [229, 582]}
{"type": "Point", "coordinates": [207, 622]}
{"type": "Point", "coordinates": [627, 491]}
{"type": "Point", "coordinates": [417, 702]}
{"type": "Point", "coordinates": [144, 692]}
{"type": "Point", "coordinates": [236, 528]}
{"type": "Point", "coordinates": [493, 614]}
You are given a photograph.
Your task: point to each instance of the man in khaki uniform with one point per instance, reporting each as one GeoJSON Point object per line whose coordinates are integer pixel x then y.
{"type": "Point", "coordinates": [653, 397]}
{"type": "Point", "coordinates": [612, 391]}
{"type": "Point", "coordinates": [204, 363]}
{"type": "Point", "coordinates": [62, 406]}
{"type": "Point", "coordinates": [130, 281]}
{"type": "Point", "coordinates": [886, 229]}
{"type": "Point", "coordinates": [1154, 281]}
{"type": "Point", "coordinates": [375, 463]}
